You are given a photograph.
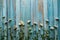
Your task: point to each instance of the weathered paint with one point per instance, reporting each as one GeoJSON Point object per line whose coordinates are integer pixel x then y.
{"type": "Point", "coordinates": [43, 14]}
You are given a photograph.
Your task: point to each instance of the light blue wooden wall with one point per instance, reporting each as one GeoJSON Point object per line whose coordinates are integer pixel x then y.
{"type": "Point", "coordinates": [38, 11]}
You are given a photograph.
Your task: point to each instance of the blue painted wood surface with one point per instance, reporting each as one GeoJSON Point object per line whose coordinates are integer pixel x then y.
{"type": "Point", "coordinates": [43, 14]}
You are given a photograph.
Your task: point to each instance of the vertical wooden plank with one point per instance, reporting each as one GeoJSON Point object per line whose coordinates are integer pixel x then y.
{"type": "Point", "coordinates": [55, 6]}
{"type": "Point", "coordinates": [45, 12]}
{"type": "Point", "coordinates": [17, 17]}
{"type": "Point", "coordinates": [1, 11]}
{"type": "Point", "coordinates": [12, 12]}
{"type": "Point", "coordinates": [59, 19]}
{"type": "Point", "coordinates": [9, 18]}
{"type": "Point", "coordinates": [46, 20]}
{"type": "Point", "coordinates": [27, 13]}
{"type": "Point", "coordinates": [40, 16]}
{"type": "Point", "coordinates": [5, 19]}
{"type": "Point", "coordinates": [51, 18]}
